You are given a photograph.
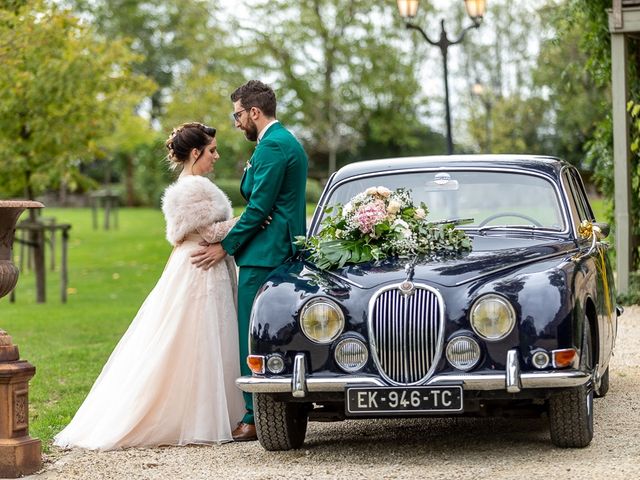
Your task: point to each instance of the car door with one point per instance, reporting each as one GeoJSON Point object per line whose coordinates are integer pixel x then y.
{"type": "Point", "coordinates": [605, 296]}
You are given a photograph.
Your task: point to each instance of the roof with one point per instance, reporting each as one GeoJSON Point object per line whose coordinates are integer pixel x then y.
{"type": "Point", "coordinates": [545, 164]}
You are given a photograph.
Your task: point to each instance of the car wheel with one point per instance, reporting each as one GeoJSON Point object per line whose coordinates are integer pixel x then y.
{"type": "Point", "coordinates": [279, 425]}
{"type": "Point", "coordinates": [571, 409]}
{"type": "Point", "coordinates": [604, 384]}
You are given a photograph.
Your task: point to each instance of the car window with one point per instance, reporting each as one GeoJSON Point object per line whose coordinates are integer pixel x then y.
{"type": "Point", "coordinates": [487, 197]}
{"type": "Point", "coordinates": [580, 208]}
{"type": "Point", "coordinates": [581, 197]}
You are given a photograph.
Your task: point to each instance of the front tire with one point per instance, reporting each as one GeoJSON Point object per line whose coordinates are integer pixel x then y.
{"type": "Point", "coordinates": [279, 425]}
{"type": "Point", "coordinates": [571, 409]}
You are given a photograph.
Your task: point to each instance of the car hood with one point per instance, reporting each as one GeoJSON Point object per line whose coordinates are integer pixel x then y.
{"type": "Point", "coordinates": [489, 255]}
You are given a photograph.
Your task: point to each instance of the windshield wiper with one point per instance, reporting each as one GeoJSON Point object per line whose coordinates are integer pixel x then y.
{"type": "Point", "coordinates": [454, 221]}
{"type": "Point", "coordinates": [532, 228]}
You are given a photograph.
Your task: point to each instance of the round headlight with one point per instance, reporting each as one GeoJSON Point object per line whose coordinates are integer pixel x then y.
{"type": "Point", "coordinates": [322, 320]}
{"type": "Point", "coordinates": [492, 317]}
{"type": "Point", "coordinates": [463, 353]}
{"type": "Point", "coordinates": [351, 354]}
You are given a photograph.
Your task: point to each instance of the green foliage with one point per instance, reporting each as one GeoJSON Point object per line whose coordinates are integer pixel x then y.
{"type": "Point", "coordinates": [592, 18]}
{"type": "Point", "coordinates": [166, 35]}
{"type": "Point", "coordinates": [314, 190]}
{"type": "Point", "coordinates": [632, 297]}
{"type": "Point", "coordinates": [231, 186]}
{"type": "Point", "coordinates": [516, 125]}
{"type": "Point", "coordinates": [575, 102]}
{"type": "Point", "coordinates": [64, 89]}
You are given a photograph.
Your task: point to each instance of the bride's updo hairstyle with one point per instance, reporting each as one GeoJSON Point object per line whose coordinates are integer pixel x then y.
{"type": "Point", "coordinates": [184, 138]}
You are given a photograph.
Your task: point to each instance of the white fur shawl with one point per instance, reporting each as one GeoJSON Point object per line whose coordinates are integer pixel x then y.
{"type": "Point", "coordinates": [191, 202]}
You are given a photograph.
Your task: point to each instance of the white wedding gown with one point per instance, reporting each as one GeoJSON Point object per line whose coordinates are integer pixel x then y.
{"type": "Point", "coordinates": [171, 378]}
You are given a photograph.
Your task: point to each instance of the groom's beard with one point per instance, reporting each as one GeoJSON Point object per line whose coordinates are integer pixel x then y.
{"type": "Point", "coordinates": [251, 131]}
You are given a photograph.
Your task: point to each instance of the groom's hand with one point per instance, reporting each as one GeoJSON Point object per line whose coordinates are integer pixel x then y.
{"type": "Point", "coordinates": [208, 256]}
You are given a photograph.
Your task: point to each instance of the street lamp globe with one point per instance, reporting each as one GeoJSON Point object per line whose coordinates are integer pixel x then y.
{"type": "Point", "coordinates": [477, 89]}
{"type": "Point", "coordinates": [475, 9]}
{"type": "Point", "coordinates": [408, 8]}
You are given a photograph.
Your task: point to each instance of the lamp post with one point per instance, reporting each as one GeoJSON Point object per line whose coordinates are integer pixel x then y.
{"type": "Point", "coordinates": [475, 10]}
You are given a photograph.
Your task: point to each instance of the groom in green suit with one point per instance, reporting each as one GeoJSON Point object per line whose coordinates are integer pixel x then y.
{"type": "Point", "coordinates": [273, 184]}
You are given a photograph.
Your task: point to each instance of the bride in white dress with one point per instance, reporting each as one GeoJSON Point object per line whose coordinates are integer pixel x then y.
{"type": "Point", "coordinates": [171, 378]}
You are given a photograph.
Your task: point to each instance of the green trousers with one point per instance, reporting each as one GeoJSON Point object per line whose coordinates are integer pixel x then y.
{"type": "Point", "coordinates": [250, 280]}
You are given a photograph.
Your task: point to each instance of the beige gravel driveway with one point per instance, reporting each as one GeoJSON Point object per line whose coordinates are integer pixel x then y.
{"type": "Point", "coordinates": [416, 448]}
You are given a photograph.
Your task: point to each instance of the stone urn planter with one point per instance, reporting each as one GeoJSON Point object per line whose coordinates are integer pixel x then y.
{"type": "Point", "coordinates": [19, 453]}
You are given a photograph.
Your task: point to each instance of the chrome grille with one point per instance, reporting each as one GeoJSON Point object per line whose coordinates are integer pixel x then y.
{"type": "Point", "coordinates": [406, 333]}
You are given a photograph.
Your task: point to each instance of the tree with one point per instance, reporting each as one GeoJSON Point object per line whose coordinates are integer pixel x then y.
{"type": "Point", "coordinates": [595, 40]}
{"type": "Point", "coordinates": [166, 34]}
{"type": "Point", "coordinates": [575, 104]}
{"type": "Point", "coordinates": [341, 69]}
{"type": "Point", "coordinates": [497, 66]}
{"type": "Point", "coordinates": [63, 90]}
{"type": "Point", "coordinates": [183, 48]}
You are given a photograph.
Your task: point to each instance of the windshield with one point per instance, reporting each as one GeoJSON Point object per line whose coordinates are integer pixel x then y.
{"type": "Point", "coordinates": [489, 199]}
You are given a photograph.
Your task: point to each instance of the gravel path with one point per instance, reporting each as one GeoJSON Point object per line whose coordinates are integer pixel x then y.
{"type": "Point", "coordinates": [417, 448]}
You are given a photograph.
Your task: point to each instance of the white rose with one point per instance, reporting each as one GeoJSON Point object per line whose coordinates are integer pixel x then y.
{"type": "Point", "coordinates": [384, 191]}
{"type": "Point", "coordinates": [401, 223]}
{"type": "Point", "coordinates": [347, 208]}
{"type": "Point", "coordinates": [420, 213]}
{"type": "Point", "coordinates": [394, 206]}
{"type": "Point", "coordinates": [371, 191]}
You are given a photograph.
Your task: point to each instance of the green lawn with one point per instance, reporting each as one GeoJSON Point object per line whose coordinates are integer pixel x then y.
{"type": "Point", "coordinates": [110, 274]}
{"type": "Point", "coordinates": [600, 207]}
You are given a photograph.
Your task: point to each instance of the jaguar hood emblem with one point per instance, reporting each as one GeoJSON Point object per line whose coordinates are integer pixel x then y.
{"type": "Point", "coordinates": [407, 288]}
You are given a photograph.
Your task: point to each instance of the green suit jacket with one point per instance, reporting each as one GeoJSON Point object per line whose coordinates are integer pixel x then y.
{"type": "Point", "coordinates": [273, 183]}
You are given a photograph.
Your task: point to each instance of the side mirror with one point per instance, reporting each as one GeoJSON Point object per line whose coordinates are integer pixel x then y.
{"type": "Point", "coordinates": [601, 230]}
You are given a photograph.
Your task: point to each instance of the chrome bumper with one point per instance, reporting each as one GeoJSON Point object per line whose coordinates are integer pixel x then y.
{"type": "Point", "coordinates": [511, 380]}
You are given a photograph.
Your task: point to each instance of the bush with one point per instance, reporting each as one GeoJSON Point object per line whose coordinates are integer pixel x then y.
{"type": "Point", "coordinates": [314, 190]}
{"type": "Point", "coordinates": [632, 297]}
{"type": "Point", "coordinates": [231, 186]}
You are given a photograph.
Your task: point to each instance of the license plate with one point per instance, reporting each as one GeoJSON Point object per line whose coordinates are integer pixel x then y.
{"type": "Point", "coordinates": [403, 400]}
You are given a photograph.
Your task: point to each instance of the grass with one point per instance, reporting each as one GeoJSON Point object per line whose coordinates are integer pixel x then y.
{"type": "Point", "coordinates": [600, 206]}
{"type": "Point", "coordinates": [110, 274]}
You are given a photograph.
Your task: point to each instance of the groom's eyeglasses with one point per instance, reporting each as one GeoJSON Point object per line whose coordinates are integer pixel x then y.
{"type": "Point", "coordinates": [236, 115]}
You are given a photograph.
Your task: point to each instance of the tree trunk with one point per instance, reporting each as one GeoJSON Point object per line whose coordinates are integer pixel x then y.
{"type": "Point", "coordinates": [129, 175]}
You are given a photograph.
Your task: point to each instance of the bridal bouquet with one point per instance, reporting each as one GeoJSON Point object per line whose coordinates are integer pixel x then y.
{"type": "Point", "coordinates": [376, 224]}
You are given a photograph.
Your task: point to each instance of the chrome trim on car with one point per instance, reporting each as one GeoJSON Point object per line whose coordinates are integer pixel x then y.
{"type": "Point", "coordinates": [477, 381]}
{"type": "Point", "coordinates": [512, 372]}
{"type": "Point", "coordinates": [406, 333]}
{"type": "Point", "coordinates": [298, 382]}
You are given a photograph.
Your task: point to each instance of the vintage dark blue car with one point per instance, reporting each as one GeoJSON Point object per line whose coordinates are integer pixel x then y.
{"type": "Point", "coordinates": [525, 321]}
